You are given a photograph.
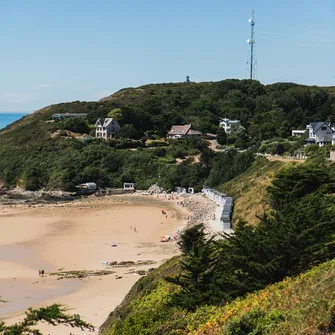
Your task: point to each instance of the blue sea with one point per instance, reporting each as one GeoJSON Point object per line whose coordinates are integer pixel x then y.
{"type": "Point", "coordinates": [8, 118]}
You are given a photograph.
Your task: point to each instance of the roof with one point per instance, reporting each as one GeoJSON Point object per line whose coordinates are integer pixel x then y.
{"type": "Point", "coordinates": [70, 114]}
{"type": "Point", "coordinates": [299, 130]}
{"type": "Point", "coordinates": [317, 125]}
{"type": "Point", "coordinates": [179, 130]}
{"type": "Point", "coordinates": [104, 122]}
{"type": "Point", "coordinates": [194, 132]}
{"type": "Point", "coordinates": [226, 120]}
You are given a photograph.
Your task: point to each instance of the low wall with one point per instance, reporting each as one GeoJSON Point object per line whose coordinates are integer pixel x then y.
{"type": "Point", "coordinates": [227, 204]}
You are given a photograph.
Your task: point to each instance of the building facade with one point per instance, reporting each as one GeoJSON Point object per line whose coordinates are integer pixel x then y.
{"type": "Point", "coordinates": [106, 128]}
{"type": "Point", "coordinates": [320, 132]}
{"type": "Point", "coordinates": [228, 124]}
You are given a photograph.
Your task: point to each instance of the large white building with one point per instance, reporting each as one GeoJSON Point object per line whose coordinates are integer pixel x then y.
{"type": "Point", "coordinates": [227, 124]}
{"type": "Point", "coordinates": [106, 128]}
{"type": "Point", "coordinates": [320, 132]}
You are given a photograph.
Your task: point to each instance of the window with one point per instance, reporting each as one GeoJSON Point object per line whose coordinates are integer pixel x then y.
{"type": "Point", "coordinates": [324, 128]}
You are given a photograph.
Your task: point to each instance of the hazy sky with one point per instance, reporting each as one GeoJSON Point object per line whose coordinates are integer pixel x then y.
{"type": "Point", "coordinates": [64, 50]}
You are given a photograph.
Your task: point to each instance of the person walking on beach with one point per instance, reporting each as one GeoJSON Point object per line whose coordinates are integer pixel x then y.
{"type": "Point", "coordinates": [42, 273]}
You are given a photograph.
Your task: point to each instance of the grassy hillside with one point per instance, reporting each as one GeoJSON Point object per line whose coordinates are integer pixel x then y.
{"type": "Point", "coordinates": [149, 294]}
{"type": "Point", "coordinates": [249, 189]}
{"type": "Point", "coordinates": [301, 305]}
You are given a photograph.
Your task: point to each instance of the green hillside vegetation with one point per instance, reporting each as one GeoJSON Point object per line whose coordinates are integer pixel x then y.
{"type": "Point", "coordinates": [36, 153]}
{"type": "Point", "coordinates": [62, 163]}
{"type": "Point", "coordinates": [220, 285]}
{"type": "Point", "coordinates": [301, 305]}
{"type": "Point", "coordinates": [298, 305]}
{"type": "Point", "coordinates": [249, 189]}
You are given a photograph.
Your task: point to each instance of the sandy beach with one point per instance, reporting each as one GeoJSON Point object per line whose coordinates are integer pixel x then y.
{"type": "Point", "coordinates": [75, 237]}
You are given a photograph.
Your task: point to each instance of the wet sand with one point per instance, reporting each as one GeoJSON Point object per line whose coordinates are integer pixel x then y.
{"type": "Point", "coordinates": [79, 236]}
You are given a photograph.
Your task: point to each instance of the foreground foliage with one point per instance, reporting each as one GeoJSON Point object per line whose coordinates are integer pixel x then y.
{"type": "Point", "coordinates": [299, 305]}
{"type": "Point", "coordinates": [54, 314]}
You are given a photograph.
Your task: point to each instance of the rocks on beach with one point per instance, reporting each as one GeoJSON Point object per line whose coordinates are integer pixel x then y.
{"type": "Point", "coordinates": [21, 196]}
{"type": "Point", "coordinates": [201, 210]}
{"type": "Point", "coordinates": [155, 189]}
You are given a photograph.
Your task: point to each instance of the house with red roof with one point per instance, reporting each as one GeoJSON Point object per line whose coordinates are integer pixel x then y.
{"type": "Point", "coordinates": [183, 132]}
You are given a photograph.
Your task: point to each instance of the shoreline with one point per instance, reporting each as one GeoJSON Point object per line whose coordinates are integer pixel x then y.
{"type": "Point", "coordinates": [86, 232]}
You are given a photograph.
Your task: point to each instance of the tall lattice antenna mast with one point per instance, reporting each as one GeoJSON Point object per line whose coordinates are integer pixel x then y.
{"type": "Point", "coordinates": [251, 41]}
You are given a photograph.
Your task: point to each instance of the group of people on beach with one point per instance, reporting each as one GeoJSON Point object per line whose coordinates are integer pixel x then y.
{"type": "Point", "coordinates": [41, 273]}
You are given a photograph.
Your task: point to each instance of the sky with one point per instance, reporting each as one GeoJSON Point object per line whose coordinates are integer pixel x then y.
{"type": "Point", "coordinates": [55, 51]}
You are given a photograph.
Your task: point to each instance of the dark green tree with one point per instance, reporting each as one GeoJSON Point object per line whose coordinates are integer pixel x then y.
{"type": "Point", "coordinates": [77, 125]}
{"type": "Point", "coordinates": [198, 270]}
{"type": "Point", "coordinates": [54, 315]}
{"type": "Point", "coordinates": [221, 136]}
{"type": "Point", "coordinates": [128, 131]}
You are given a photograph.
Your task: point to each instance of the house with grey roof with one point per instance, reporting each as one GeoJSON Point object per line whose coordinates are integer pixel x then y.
{"type": "Point", "coordinates": [319, 133]}
{"type": "Point", "coordinates": [106, 128]}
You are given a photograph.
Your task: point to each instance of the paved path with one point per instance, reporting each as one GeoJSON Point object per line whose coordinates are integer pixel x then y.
{"type": "Point", "coordinates": [215, 224]}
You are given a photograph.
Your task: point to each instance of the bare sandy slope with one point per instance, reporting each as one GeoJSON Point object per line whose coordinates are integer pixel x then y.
{"type": "Point", "coordinates": [79, 236]}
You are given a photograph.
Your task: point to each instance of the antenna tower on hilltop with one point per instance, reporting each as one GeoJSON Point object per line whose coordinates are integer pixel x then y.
{"type": "Point", "coordinates": [251, 41]}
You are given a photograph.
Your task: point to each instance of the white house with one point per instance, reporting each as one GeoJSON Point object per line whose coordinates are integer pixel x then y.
{"type": "Point", "coordinates": [227, 124]}
{"type": "Point", "coordinates": [106, 128]}
{"type": "Point", "coordinates": [320, 132]}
